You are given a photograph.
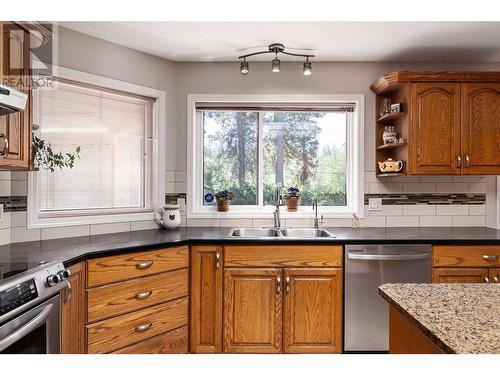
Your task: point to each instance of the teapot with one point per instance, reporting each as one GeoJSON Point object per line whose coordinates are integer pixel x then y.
{"type": "Point", "coordinates": [168, 216]}
{"type": "Point", "coordinates": [391, 166]}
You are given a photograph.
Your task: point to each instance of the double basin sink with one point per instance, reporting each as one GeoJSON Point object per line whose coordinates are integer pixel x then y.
{"type": "Point", "coordinates": [277, 233]}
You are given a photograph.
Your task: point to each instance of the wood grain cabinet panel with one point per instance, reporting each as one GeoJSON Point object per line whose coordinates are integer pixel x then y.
{"type": "Point", "coordinates": [466, 256]}
{"type": "Point", "coordinates": [481, 128]}
{"type": "Point", "coordinates": [206, 299]}
{"type": "Point", "coordinates": [173, 342]}
{"type": "Point", "coordinates": [119, 298]}
{"type": "Point", "coordinates": [73, 312]}
{"type": "Point", "coordinates": [435, 128]}
{"type": "Point", "coordinates": [253, 310]}
{"type": "Point", "coordinates": [313, 311]}
{"type": "Point", "coordinates": [494, 275]}
{"type": "Point", "coordinates": [117, 268]}
{"type": "Point", "coordinates": [460, 275]}
{"type": "Point", "coordinates": [109, 335]}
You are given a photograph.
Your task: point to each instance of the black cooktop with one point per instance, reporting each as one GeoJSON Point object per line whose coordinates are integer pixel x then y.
{"type": "Point", "coordinates": [9, 269]}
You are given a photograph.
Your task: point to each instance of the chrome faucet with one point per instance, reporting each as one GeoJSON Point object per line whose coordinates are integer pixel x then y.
{"type": "Point", "coordinates": [278, 198]}
{"type": "Point", "coordinates": [315, 208]}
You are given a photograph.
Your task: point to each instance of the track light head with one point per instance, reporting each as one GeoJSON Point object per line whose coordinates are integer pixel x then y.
{"type": "Point", "coordinates": [244, 68]}
{"type": "Point", "coordinates": [276, 65]}
{"type": "Point", "coordinates": [307, 69]}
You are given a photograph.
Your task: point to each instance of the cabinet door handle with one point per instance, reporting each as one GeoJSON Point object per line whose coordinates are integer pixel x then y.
{"type": "Point", "coordinates": [217, 261]}
{"type": "Point", "coordinates": [143, 295]}
{"type": "Point", "coordinates": [495, 278]}
{"type": "Point", "coordinates": [69, 293]}
{"type": "Point", "coordinates": [459, 161]}
{"type": "Point", "coordinates": [287, 284]}
{"type": "Point", "coordinates": [144, 265]}
{"type": "Point", "coordinates": [467, 161]}
{"type": "Point", "coordinates": [278, 285]}
{"type": "Point", "coordinates": [143, 327]}
{"type": "Point", "coordinates": [5, 149]}
{"type": "Point", "coordinates": [486, 280]}
{"type": "Point", "coordinates": [490, 258]}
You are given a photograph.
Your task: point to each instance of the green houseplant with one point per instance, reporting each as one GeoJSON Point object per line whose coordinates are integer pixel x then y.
{"type": "Point", "coordinates": [46, 158]}
{"type": "Point", "coordinates": [292, 198]}
{"type": "Point", "coordinates": [224, 198]}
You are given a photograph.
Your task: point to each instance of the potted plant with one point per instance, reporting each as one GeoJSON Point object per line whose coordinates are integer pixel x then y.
{"type": "Point", "coordinates": [223, 198]}
{"type": "Point", "coordinates": [292, 198]}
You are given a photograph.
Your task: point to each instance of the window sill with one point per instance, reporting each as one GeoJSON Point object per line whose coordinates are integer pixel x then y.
{"type": "Point", "coordinates": [268, 214]}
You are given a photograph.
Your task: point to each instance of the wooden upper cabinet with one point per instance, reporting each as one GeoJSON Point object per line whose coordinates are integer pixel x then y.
{"type": "Point", "coordinates": [15, 71]}
{"type": "Point", "coordinates": [253, 310]}
{"type": "Point", "coordinates": [481, 128]}
{"type": "Point", "coordinates": [313, 310]}
{"type": "Point", "coordinates": [460, 275]}
{"type": "Point", "coordinates": [435, 128]}
{"type": "Point", "coordinates": [73, 312]}
{"type": "Point", "coordinates": [206, 299]}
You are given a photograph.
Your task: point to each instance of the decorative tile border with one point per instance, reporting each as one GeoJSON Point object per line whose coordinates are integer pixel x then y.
{"type": "Point", "coordinates": [428, 199]}
{"type": "Point", "coordinates": [171, 198]}
{"type": "Point", "coordinates": [16, 203]}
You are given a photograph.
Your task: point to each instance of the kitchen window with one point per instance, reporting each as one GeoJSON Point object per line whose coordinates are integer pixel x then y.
{"type": "Point", "coordinates": [252, 146]}
{"type": "Point", "coordinates": [117, 173]}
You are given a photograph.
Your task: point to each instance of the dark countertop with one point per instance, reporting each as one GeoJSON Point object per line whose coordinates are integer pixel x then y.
{"type": "Point", "coordinates": [458, 318]}
{"type": "Point", "coordinates": [72, 250]}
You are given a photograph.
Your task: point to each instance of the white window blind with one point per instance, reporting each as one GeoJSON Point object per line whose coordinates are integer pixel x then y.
{"type": "Point", "coordinates": [114, 131]}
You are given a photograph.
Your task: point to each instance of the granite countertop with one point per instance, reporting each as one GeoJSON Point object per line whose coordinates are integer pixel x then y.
{"type": "Point", "coordinates": [72, 250]}
{"type": "Point", "coordinates": [458, 318]}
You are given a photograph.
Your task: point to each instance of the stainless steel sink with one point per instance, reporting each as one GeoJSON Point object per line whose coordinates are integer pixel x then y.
{"type": "Point", "coordinates": [280, 233]}
{"type": "Point", "coordinates": [255, 233]}
{"type": "Point", "coordinates": [306, 233]}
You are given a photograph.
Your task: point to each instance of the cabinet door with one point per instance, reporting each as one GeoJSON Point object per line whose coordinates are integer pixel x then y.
{"type": "Point", "coordinates": [459, 275]}
{"type": "Point", "coordinates": [73, 312]}
{"type": "Point", "coordinates": [434, 138]}
{"type": "Point", "coordinates": [252, 310]}
{"type": "Point", "coordinates": [481, 128]}
{"type": "Point", "coordinates": [313, 310]}
{"type": "Point", "coordinates": [206, 299]}
{"type": "Point", "coordinates": [16, 127]}
{"type": "Point", "coordinates": [494, 276]}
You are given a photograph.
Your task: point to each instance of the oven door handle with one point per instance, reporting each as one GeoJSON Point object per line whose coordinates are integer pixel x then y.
{"type": "Point", "coordinates": [25, 329]}
{"type": "Point", "coordinates": [361, 256]}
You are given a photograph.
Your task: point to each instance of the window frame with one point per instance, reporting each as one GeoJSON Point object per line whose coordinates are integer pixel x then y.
{"type": "Point", "coordinates": [36, 219]}
{"type": "Point", "coordinates": [355, 157]}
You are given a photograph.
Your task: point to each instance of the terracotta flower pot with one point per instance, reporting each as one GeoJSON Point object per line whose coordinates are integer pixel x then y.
{"type": "Point", "coordinates": [292, 203]}
{"type": "Point", "coordinates": [223, 205]}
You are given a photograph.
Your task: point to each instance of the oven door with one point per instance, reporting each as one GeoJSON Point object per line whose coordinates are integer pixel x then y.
{"type": "Point", "coordinates": [34, 332]}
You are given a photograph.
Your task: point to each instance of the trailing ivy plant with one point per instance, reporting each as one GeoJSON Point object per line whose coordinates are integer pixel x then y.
{"type": "Point", "coordinates": [47, 159]}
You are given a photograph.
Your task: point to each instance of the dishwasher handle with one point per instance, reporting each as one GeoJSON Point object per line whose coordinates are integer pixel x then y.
{"type": "Point", "coordinates": [363, 256]}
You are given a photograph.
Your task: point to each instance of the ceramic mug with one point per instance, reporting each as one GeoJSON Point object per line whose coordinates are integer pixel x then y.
{"type": "Point", "coordinates": [168, 216]}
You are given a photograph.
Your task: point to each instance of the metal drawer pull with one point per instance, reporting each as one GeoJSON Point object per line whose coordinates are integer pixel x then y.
{"type": "Point", "coordinates": [217, 260]}
{"type": "Point", "coordinates": [144, 265]}
{"type": "Point", "coordinates": [486, 280]}
{"type": "Point", "coordinates": [467, 161]}
{"type": "Point", "coordinates": [69, 293]}
{"type": "Point", "coordinates": [490, 257]}
{"type": "Point", "coordinates": [287, 284]}
{"type": "Point", "coordinates": [5, 150]}
{"type": "Point", "coordinates": [278, 285]}
{"type": "Point", "coordinates": [143, 327]}
{"type": "Point", "coordinates": [459, 161]}
{"type": "Point", "coordinates": [143, 295]}
{"type": "Point", "coordinates": [495, 278]}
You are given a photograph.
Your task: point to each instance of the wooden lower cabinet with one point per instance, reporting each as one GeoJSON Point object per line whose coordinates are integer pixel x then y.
{"type": "Point", "coordinates": [459, 275]}
{"type": "Point", "coordinates": [206, 299]}
{"type": "Point", "coordinates": [253, 310]}
{"type": "Point", "coordinates": [313, 310]}
{"type": "Point", "coordinates": [494, 275]}
{"type": "Point", "coordinates": [73, 312]}
{"type": "Point", "coordinates": [173, 342]}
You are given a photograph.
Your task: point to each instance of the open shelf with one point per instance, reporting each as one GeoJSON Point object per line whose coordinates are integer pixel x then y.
{"type": "Point", "coordinates": [389, 146]}
{"type": "Point", "coordinates": [393, 174]}
{"type": "Point", "coordinates": [391, 116]}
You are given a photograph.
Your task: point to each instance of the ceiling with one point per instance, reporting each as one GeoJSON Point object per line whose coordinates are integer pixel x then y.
{"type": "Point", "coordinates": [329, 41]}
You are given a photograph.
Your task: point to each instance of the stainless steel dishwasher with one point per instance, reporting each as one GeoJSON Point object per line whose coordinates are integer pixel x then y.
{"type": "Point", "coordinates": [366, 314]}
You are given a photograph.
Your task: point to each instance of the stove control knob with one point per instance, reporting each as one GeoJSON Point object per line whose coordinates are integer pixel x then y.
{"type": "Point", "coordinates": [53, 280]}
{"type": "Point", "coordinates": [64, 274]}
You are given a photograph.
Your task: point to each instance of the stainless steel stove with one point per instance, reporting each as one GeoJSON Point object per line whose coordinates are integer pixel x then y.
{"type": "Point", "coordinates": [29, 306]}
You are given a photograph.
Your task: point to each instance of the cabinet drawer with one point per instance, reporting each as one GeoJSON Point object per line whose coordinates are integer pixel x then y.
{"type": "Point", "coordinates": [128, 266]}
{"type": "Point", "coordinates": [173, 342]}
{"type": "Point", "coordinates": [115, 333]}
{"type": "Point", "coordinates": [283, 256]}
{"type": "Point", "coordinates": [119, 298]}
{"type": "Point", "coordinates": [466, 256]}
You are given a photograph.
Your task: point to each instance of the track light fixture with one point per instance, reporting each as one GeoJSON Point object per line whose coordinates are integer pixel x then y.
{"type": "Point", "coordinates": [275, 65]}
